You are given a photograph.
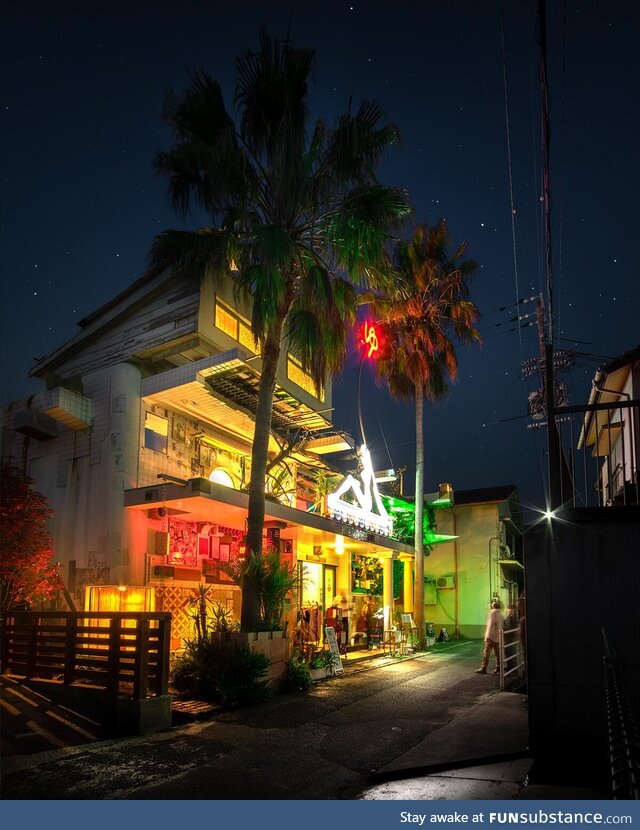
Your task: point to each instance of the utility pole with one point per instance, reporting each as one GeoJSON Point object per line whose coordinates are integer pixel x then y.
{"type": "Point", "coordinates": [545, 400]}
{"type": "Point", "coordinates": [553, 437]}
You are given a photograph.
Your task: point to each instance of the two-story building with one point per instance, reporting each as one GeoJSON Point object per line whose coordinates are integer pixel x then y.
{"type": "Point", "coordinates": [142, 440]}
{"type": "Point", "coordinates": [478, 564]}
{"type": "Point", "coordinates": [610, 432]}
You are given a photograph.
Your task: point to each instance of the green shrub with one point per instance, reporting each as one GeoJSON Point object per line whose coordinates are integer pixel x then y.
{"type": "Point", "coordinates": [222, 672]}
{"type": "Point", "coordinates": [323, 660]}
{"type": "Point", "coordinates": [297, 677]}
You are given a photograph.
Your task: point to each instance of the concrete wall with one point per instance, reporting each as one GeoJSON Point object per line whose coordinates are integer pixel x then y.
{"type": "Point", "coordinates": [582, 574]}
{"type": "Point", "coordinates": [478, 528]}
{"type": "Point", "coordinates": [84, 473]}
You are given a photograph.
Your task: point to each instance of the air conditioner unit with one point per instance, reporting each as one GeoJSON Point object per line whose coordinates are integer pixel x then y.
{"type": "Point", "coordinates": [446, 582]}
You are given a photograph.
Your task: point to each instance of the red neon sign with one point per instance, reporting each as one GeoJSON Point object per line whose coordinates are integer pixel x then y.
{"type": "Point", "coordinates": [369, 338]}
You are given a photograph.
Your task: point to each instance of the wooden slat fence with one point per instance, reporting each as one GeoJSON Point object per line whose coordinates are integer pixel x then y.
{"type": "Point", "coordinates": [120, 651]}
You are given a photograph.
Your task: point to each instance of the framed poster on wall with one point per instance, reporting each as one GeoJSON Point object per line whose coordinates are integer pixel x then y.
{"type": "Point", "coordinates": [179, 430]}
{"type": "Point", "coordinates": [206, 455]}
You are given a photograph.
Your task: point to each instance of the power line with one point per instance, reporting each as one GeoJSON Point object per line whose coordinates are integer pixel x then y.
{"type": "Point", "coordinates": [511, 330]}
{"type": "Point", "coordinates": [513, 212]}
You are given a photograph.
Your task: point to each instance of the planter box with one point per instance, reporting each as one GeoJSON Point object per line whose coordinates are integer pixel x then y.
{"type": "Point", "coordinates": [319, 674]}
{"type": "Point", "coordinates": [275, 644]}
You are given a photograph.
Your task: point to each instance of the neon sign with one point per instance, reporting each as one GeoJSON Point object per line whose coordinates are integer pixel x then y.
{"type": "Point", "coordinates": [370, 338]}
{"type": "Point", "coordinates": [357, 501]}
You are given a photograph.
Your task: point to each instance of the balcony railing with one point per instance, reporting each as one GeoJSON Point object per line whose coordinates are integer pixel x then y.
{"type": "Point", "coordinates": [604, 471]}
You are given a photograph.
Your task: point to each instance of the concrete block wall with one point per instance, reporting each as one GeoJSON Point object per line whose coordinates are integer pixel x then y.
{"type": "Point", "coordinates": [582, 575]}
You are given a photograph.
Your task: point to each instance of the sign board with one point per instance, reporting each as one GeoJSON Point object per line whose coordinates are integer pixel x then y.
{"type": "Point", "coordinates": [357, 502]}
{"type": "Point", "coordinates": [407, 622]}
{"type": "Point", "coordinates": [330, 636]}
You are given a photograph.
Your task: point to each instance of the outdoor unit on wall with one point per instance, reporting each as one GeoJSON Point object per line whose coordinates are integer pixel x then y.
{"type": "Point", "coordinates": [444, 583]}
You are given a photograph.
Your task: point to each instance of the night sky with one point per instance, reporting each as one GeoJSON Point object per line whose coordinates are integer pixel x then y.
{"type": "Point", "coordinates": [83, 92]}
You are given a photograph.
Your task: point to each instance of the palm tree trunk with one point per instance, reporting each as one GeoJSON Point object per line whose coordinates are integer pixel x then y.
{"type": "Point", "coordinates": [250, 614]}
{"type": "Point", "coordinates": [418, 587]}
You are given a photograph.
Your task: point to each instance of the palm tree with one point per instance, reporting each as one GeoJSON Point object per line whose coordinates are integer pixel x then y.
{"type": "Point", "coordinates": [297, 208]}
{"type": "Point", "coordinates": [428, 311]}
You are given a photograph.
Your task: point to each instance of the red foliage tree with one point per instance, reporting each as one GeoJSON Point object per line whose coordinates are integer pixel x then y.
{"type": "Point", "coordinates": [26, 572]}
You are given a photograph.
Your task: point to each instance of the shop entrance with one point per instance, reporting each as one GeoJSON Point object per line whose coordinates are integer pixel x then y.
{"type": "Point", "coordinates": [318, 591]}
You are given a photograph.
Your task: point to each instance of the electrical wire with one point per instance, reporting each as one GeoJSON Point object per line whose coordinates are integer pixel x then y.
{"type": "Point", "coordinates": [385, 442]}
{"type": "Point", "coordinates": [513, 212]}
{"type": "Point", "coordinates": [561, 165]}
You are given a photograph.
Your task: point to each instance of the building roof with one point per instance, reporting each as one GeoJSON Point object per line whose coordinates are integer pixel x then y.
{"type": "Point", "coordinates": [484, 494]}
{"type": "Point", "coordinates": [622, 360]}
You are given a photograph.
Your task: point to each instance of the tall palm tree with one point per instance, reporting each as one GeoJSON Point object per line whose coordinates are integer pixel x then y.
{"type": "Point", "coordinates": [427, 313]}
{"type": "Point", "coordinates": [296, 206]}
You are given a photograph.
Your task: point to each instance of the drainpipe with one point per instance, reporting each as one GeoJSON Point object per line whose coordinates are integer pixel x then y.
{"type": "Point", "coordinates": [498, 540]}
{"type": "Point", "coordinates": [455, 572]}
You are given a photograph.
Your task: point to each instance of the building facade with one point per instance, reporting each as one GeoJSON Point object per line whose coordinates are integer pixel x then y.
{"type": "Point", "coordinates": [141, 440]}
{"type": "Point", "coordinates": [479, 563]}
{"type": "Point", "coordinates": [610, 435]}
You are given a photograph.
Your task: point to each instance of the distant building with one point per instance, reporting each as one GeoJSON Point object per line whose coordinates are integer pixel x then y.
{"type": "Point", "coordinates": [612, 436]}
{"type": "Point", "coordinates": [481, 563]}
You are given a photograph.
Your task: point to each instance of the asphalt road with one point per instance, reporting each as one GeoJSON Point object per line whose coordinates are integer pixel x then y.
{"type": "Point", "coordinates": [319, 745]}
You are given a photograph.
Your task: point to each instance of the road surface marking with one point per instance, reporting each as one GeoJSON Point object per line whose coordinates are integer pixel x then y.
{"type": "Point", "coordinates": [71, 725]}
{"type": "Point", "coordinates": [11, 709]}
{"type": "Point", "coordinates": [33, 726]}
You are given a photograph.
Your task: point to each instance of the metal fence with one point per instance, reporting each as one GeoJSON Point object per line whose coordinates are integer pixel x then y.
{"type": "Point", "coordinates": [511, 657]}
{"type": "Point", "coordinates": [624, 740]}
{"type": "Point", "coordinates": [123, 652]}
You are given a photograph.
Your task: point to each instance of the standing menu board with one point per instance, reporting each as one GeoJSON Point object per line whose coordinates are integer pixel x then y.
{"type": "Point", "coordinates": [330, 636]}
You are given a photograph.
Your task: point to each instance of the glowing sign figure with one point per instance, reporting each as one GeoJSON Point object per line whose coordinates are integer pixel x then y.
{"type": "Point", "coordinates": [365, 492]}
{"type": "Point", "coordinates": [370, 339]}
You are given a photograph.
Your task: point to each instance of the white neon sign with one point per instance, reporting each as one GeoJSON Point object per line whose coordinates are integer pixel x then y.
{"type": "Point", "coordinates": [366, 510]}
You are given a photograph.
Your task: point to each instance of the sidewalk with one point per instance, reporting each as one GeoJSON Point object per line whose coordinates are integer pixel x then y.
{"type": "Point", "coordinates": [445, 767]}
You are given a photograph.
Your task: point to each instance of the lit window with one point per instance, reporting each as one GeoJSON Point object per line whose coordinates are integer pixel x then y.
{"type": "Point", "coordinates": [245, 337]}
{"type": "Point", "coordinates": [156, 431]}
{"type": "Point", "coordinates": [236, 326]}
{"type": "Point", "coordinates": [226, 321]}
{"type": "Point", "coordinates": [302, 379]}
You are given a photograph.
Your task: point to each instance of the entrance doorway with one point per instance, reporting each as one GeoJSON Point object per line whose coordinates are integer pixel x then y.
{"type": "Point", "coordinates": [318, 592]}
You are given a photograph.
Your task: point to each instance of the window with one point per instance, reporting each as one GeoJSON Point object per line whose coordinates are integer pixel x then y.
{"type": "Point", "coordinates": [302, 379]}
{"type": "Point", "coordinates": [156, 431]}
{"type": "Point", "coordinates": [236, 326]}
{"type": "Point", "coordinates": [220, 476]}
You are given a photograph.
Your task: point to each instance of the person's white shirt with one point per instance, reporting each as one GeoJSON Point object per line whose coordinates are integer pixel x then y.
{"type": "Point", "coordinates": [495, 624]}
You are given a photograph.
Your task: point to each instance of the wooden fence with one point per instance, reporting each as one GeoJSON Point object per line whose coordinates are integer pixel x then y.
{"type": "Point", "coordinates": [122, 652]}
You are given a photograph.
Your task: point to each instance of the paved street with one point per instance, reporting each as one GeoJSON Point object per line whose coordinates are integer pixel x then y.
{"type": "Point", "coordinates": [324, 744]}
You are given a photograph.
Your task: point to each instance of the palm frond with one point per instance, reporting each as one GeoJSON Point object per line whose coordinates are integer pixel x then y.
{"type": "Point", "coordinates": [193, 255]}
{"type": "Point", "coordinates": [271, 92]}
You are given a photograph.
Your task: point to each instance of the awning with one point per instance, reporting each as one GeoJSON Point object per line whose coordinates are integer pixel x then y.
{"type": "Point", "coordinates": [201, 500]}
{"type": "Point", "coordinates": [511, 563]}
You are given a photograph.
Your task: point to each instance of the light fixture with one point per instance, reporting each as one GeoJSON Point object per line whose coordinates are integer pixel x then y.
{"type": "Point", "coordinates": [339, 543]}
{"type": "Point", "coordinates": [220, 476]}
{"type": "Point", "coordinates": [549, 514]}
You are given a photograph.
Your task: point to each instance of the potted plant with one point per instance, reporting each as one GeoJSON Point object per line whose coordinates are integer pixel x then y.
{"type": "Point", "coordinates": [274, 582]}
{"type": "Point", "coordinates": [413, 643]}
{"type": "Point", "coordinates": [322, 665]}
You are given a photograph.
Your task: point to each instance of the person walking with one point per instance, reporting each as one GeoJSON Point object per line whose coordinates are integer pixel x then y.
{"type": "Point", "coordinates": [495, 624]}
